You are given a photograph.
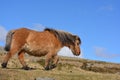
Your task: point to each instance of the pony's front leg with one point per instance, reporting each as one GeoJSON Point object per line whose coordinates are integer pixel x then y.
{"type": "Point", "coordinates": [47, 62]}
{"type": "Point", "coordinates": [55, 61]}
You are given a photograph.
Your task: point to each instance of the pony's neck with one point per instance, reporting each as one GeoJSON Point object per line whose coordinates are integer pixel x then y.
{"type": "Point", "coordinates": [66, 45]}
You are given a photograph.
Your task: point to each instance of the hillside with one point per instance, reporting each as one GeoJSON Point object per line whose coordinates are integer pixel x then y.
{"type": "Point", "coordinates": [67, 69]}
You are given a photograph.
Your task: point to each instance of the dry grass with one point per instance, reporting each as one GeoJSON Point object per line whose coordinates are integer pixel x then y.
{"type": "Point", "coordinates": [67, 69]}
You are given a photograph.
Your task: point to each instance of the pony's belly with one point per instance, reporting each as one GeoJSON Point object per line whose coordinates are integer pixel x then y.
{"type": "Point", "coordinates": [34, 51]}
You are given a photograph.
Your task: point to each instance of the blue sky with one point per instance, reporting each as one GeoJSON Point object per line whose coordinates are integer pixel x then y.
{"type": "Point", "coordinates": [97, 22]}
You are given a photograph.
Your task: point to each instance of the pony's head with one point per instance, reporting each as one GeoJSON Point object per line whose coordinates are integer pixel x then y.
{"type": "Point", "coordinates": [67, 39]}
{"type": "Point", "coordinates": [75, 47]}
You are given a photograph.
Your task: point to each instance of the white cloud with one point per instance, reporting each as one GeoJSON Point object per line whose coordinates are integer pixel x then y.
{"type": "Point", "coordinates": [38, 27]}
{"type": "Point", "coordinates": [102, 52]}
{"type": "Point", "coordinates": [65, 51]}
{"type": "Point", "coordinates": [3, 33]}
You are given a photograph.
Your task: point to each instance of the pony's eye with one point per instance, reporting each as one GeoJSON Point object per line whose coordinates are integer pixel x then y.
{"type": "Point", "coordinates": [77, 43]}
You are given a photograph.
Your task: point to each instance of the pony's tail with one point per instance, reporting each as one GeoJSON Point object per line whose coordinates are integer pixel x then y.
{"type": "Point", "coordinates": [9, 40]}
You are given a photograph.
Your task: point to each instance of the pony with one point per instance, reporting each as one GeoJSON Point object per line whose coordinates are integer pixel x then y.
{"type": "Point", "coordinates": [39, 43]}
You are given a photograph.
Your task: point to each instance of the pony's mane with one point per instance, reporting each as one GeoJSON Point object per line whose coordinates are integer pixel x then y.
{"type": "Point", "coordinates": [64, 37]}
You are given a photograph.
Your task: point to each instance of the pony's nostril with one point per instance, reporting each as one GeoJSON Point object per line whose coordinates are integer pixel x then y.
{"type": "Point", "coordinates": [79, 52]}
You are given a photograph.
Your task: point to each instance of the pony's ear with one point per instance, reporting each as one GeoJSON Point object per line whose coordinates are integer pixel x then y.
{"type": "Point", "coordinates": [77, 38]}
{"type": "Point", "coordinates": [74, 38]}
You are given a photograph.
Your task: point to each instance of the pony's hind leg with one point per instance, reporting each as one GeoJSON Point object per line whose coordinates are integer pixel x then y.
{"type": "Point", "coordinates": [6, 59]}
{"type": "Point", "coordinates": [21, 59]}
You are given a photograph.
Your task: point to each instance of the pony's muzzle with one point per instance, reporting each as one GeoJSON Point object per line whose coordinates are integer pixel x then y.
{"type": "Point", "coordinates": [78, 53]}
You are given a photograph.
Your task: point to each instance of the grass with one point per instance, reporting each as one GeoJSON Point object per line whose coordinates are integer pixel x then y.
{"type": "Point", "coordinates": [67, 69]}
{"type": "Point", "coordinates": [57, 75]}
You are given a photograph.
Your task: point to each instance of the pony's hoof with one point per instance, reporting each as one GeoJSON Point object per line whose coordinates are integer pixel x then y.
{"type": "Point", "coordinates": [52, 66]}
{"type": "Point", "coordinates": [27, 68]}
{"type": "Point", "coordinates": [47, 68]}
{"type": "Point", "coordinates": [4, 65]}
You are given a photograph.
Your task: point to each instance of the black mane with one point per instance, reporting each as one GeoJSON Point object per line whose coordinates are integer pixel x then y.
{"type": "Point", "coordinates": [64, 37]}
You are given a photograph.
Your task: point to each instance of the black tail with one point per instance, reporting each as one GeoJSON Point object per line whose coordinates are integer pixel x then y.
{"type": "Point", "coordinates": [8, 40]}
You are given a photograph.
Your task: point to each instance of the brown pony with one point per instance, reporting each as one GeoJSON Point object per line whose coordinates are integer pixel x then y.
{"type": "Point", "coordinates": [46, 43]}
